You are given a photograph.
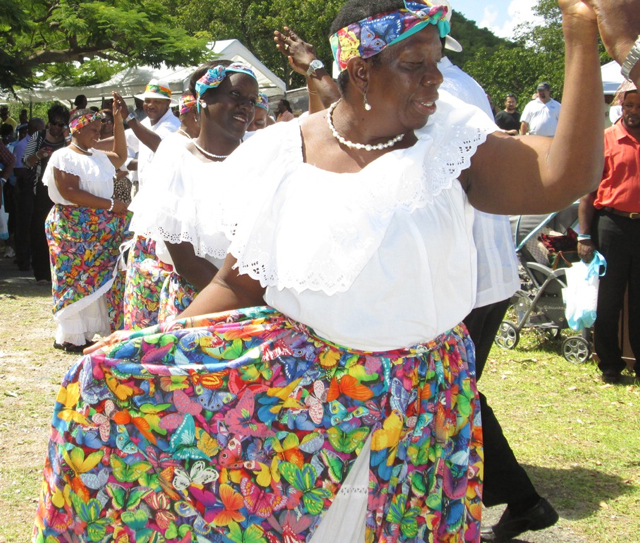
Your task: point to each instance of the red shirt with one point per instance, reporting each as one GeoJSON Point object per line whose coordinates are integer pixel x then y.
{"type": "Point", "coordinates": [620, 185]}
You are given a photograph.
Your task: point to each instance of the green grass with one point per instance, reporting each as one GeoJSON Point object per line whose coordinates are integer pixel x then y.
{"type": "Point", "coordinates": [578, 439]}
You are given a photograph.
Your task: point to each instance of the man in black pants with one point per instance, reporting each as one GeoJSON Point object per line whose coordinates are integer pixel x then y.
{"type": "Point", "coordinates": [505, 481]}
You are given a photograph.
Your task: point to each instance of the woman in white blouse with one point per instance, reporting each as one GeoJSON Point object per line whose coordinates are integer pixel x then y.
{"type": "Point", "coordinates": [84, 231]}
{"type": "Point", "coordinates": [345, 409]}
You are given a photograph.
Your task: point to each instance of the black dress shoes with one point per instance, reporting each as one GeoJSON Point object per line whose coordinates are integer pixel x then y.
{"type": "Point", "coordinates": [542, 515]}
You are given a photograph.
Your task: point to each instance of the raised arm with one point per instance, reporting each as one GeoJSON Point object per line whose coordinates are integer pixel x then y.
{"type": "Point", "coordinates": [323, 90]}
{"type": "Point", "coordinates": [118, 153]}
{"type": "Point", "coordinates": [146, 136]}
{"type": "Point", "coordinates": [619, 24]}
{"type": "Point", "coordinates": [228, 290]}
{"type": "Point", "coordinates": [531, 175]}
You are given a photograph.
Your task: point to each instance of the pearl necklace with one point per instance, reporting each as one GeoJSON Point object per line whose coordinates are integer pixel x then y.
{"type": "Point", "coordinates": [206, 153]}
{"type": "Point", "coordinates": [184, 133]}
{"type": "Point", "coordinates": [80, 148]}
{"type": "Point", "coordinates": [352, 145]}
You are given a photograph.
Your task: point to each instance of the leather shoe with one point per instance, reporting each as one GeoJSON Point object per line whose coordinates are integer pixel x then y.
{"type": "Point", "coordinates": [542, 515]}
{"type": "Point", "coordinates": [611, 376]}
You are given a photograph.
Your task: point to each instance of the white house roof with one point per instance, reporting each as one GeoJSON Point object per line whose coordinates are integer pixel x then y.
{"type": "Point", "coordinates": [133, 80]}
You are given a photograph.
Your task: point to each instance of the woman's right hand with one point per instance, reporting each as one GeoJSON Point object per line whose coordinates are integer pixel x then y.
{"type": "Point", "coordinates": [108, 341]}
{"type": "Point", "coordinates": [119, 206]}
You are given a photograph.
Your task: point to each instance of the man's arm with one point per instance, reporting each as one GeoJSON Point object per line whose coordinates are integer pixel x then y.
{"type": "Point", "coordinates": [524, 128]}
{"type": "Point", "coordinates": [586, 212]}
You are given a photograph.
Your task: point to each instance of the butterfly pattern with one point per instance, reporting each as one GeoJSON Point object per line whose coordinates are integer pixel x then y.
{"type": "Point", "coordinates": [243, 455]}
{"type": "Point", "coordinates": [84, 247]}
{"type": "Point", "coordinates": [175, 296]}
{"type": "Point", "coordinates": [145, 276]}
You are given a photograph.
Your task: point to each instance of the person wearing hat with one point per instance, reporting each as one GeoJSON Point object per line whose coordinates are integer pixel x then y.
{"type": "Point", "coordinates": [540, 116]}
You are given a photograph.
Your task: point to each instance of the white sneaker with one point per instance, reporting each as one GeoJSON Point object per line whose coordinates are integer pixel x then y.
{"type": "Point", "coordinates": [9, 252]}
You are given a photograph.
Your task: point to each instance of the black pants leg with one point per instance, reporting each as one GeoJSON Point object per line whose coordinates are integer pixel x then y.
{"type": "Point", "coordinates": [618, 239]}
{"type": "Point", "coordinates": [505, 481]}
{"type": "Point", "coordinates": [39, 247]}
{"type": "Point", "coordinates": [24, 202]}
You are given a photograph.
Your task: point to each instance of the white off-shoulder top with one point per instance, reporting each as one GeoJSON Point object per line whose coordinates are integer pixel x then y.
{"type": "Point", "coordinates": [170, 207]}
{"type": "Point", "coordinates": [375, 260]}
{"type": "Point", "coordinates": [95, 172]}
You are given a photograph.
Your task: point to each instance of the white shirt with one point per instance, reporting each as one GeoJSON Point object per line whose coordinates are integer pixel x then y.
{"type": "Point", "coordinates": [167, 124]}
{"type": "Point", "coordinates": [95, 172]}
{"type": "Point", "coordinates": [497, 263]}
{"type": "Point", "coordinates": [375, 260]}
{"type": "Point", "coordinates": [542, 118]}
{"type": "Point", "coordinates": [170, 209]}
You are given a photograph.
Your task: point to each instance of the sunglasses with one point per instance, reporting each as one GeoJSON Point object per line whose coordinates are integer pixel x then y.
{"type": "Point", "coordinates": [61, 125]}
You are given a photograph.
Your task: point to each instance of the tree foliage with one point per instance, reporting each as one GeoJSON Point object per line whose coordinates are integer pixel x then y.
{"type": "Point", "coordinates": [43, 38]}
{"type": "Point", "coordinates": [253, 23]}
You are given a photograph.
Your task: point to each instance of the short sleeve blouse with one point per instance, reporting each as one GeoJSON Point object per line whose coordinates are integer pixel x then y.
{"type": "Point", "coordinates": [375, 260]}
{"type": "Point", "coordinates": [95, 172]}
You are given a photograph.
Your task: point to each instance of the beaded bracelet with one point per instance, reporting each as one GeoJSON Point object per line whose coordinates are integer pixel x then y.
{"type": "Point", "coordinates": [113, 202]}
{"type": "Point", "coordinates": [583, 237]}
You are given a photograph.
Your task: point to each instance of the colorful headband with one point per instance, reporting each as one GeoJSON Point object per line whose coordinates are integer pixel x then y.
{"type": "Point", "coordinates": [158, 89]}
{"type": "Point", "coordinates": [186, 102]}
{"type": "Point", "coordinates": [371, 36]}
{"type": "Point", "coordinates": [217, 74]}
{"type": "Point", "coordinates": [83, 120]}
{"type": "Point", "coordinates": [263, 101]}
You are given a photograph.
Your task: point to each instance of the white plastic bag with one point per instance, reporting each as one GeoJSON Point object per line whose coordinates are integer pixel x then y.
{"type": "Point", "coordinates": [4, 217]}
{"type": "Point", "coordinates": [581, 295]}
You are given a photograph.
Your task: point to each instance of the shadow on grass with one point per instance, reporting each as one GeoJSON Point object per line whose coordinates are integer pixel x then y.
{"type": "Point", "coordinates": [577, 492]}
{"type": "Point", "coordinates": [23, 288]}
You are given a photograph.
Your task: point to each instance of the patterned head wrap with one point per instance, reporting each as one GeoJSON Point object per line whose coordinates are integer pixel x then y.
{"type": "Point", "coordinates": [216, 75]}
{"type": "Point", "coordinates": [371, 36]}
{"type": "Point", "coordinates": [186, 102]}
{"type": "Point", "coordinates": [83, 120]}
{"type": "Point", "coordinates": [263, 101]}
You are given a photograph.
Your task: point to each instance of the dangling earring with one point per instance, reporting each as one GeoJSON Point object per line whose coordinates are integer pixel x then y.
{"type": "Point", "coordinates": [367, 105]}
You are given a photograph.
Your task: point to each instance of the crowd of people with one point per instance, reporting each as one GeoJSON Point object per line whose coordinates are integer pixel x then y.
{"type": "Point", "coordinates": [302, 313]}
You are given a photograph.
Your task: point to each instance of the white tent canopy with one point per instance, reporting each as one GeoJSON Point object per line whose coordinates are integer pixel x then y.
{"type": "Point", "coordinates": [134, 80]}
{"type": "Point", "coordinates": [611, 77]}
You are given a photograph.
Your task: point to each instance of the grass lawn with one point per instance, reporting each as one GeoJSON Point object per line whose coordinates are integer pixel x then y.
{"type": "Point", "coordinates": [578, 438]}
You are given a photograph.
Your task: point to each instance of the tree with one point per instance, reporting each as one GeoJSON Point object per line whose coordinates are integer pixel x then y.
{"type": "Point", "coordinates": [51, 38]}
{"type": "Point", "coordinates": [253, 23]}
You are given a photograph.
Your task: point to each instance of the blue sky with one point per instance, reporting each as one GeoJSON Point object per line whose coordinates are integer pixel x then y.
{"type": "Point", "coordinates": [500, 16]}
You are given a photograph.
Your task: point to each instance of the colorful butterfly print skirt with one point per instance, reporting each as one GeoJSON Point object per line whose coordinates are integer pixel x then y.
{"type": "Point", "coordinates": [84, 250]}
{"type": "Point", "coordinates": [146, 274]}
{"type": "Point", "coordinates": [242, 426]}
{"type": "Point", "coordinates": [176, 295]}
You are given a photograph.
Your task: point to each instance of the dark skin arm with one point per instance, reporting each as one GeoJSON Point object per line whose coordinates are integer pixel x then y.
{"type": "Point", "coordinates": [146, 136]}
{"type": "Point", "coordinates": [323, 90]}
{"type": "Point", "coordinates": [197, 270]}
{"type": "Point", "coordinates": [228, 290]}
{"type": "Point", "coordinates": [586, 211]}
{"type": "Point", "coordinates": [69, 187]}
{"type": "Point", "coordinates": [619, 25]}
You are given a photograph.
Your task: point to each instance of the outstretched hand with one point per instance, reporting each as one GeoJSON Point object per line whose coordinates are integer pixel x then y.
{"type": "Point", "coordinates": [299, 53]}
{"type": "Point", "coordinates": [108, 341]}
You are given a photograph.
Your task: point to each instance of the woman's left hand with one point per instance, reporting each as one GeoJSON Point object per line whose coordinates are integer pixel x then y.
{"type": "Point", "coordinates": [108, 341]}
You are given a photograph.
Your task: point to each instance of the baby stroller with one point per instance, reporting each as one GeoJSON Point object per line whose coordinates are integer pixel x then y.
{"type": "Point", "coordinates": [539, 303]}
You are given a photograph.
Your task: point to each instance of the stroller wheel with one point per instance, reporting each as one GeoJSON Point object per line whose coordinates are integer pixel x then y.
{"type": "Point", "coordinates": [507, 336]}
{"type": "Point", "coordinates": [576, 349]}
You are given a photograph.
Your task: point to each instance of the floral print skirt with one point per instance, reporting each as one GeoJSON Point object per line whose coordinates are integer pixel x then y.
{"type": "Point", "coordinates": [242, 426]}
{"type": "Point", "coordinates": [146, 274]}
{"type": "Point", "coordinates": [176, 295]}
{"type": "Point", "coordinates": [84, 250]}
